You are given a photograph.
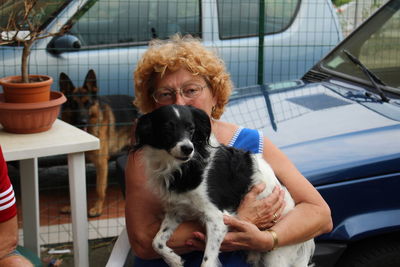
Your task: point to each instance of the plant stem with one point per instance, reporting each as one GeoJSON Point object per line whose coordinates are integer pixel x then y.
{"type": "Point", "coordinates": [24, 61]}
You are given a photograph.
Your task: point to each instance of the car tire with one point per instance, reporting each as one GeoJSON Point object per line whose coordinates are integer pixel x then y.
{"type": "Point", "coordinates": [374, 253]}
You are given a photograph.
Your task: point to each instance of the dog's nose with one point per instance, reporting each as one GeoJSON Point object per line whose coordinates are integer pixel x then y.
{"type": "Point", "coordinates": [82, 122]}
{"type": "Point", "coordinates": [187, 149]}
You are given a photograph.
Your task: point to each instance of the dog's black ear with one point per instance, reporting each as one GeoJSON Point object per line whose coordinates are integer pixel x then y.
{"type": "Point", "coordinates": [91, 82]}
{"type": "Point", "coordinates": [66, 85]}
{"type": "Point", "coordinates": [202, 126]}
{"type": "Point", "coordinates": [143, 131]}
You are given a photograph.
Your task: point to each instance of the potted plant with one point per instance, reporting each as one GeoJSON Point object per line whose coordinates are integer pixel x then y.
{"type": "Point", "coordinates": [27, 105]}
{"type": "Point", "coordinates": [22, 26]}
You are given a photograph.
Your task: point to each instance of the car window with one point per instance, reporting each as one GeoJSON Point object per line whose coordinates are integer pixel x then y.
{"type": "Point", "coordinates": [43, 11]}
{"type": "Point", "coordinates": [239, 18]}
{"type": "Point", "coordinates": [110, 22]}
{"type": "Point", "coordinates": [376, 45]}
{"type": "Point", "coordinates": [381, 50]}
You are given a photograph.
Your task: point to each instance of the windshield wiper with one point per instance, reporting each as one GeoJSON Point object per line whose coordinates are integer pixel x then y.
{"type": "Point", "coordinates": [371, 76]}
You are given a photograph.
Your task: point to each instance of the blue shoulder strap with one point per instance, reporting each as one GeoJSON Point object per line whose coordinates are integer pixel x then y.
{"type": "Point", "coordinates": [248, 139]}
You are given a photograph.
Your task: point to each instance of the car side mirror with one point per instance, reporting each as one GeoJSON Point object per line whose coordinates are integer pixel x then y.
{"type": "Point", "coordinates": [64, 43]}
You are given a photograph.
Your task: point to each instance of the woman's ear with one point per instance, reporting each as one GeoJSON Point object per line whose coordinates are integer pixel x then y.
{"type": "Point", "coordinates": [202, 125]}
{"type": "Point", "coordinates": [143, 131]}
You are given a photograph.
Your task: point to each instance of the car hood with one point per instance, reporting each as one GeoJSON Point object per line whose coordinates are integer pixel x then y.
{"type": "Point", "coordinates": [332, 133]}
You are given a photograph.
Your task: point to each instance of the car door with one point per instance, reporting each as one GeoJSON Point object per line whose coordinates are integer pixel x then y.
{"type": "Point", "coordinates": [296, 35]}
{"type": "Point", "coordinates": [112, 35]}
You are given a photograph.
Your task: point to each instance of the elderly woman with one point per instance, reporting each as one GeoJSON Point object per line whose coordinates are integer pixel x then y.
{"type": "Point", "coordinates": [182, 71]}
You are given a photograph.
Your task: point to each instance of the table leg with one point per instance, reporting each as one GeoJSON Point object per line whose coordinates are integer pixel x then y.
{"type": "Point", "coordinates": [77, 188]}
{"type": "Point", "coordinates": [30, 203]}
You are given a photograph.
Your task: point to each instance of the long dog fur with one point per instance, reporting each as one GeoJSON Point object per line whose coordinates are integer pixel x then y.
{"type": "Point", "coordinates": [198, 178]}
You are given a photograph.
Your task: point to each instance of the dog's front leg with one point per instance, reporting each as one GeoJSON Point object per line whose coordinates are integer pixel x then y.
{"type": "Point", "coordinates": [168, 226]}
{"type": "Point", "coordinates": [216, 231]}
{"type": "Point", "coordinates": [101, 164]}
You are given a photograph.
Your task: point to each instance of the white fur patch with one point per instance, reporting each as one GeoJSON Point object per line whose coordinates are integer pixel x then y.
{"type": "Point", "coordinates": [176, 112]}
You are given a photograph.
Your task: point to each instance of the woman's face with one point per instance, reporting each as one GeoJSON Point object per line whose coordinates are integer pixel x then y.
{"type": "Point", "coordinates": [184, 88]}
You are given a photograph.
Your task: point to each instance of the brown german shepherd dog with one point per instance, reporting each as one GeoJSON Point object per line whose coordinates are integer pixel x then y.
{"type": "Point", "coordinates": [110, 118]}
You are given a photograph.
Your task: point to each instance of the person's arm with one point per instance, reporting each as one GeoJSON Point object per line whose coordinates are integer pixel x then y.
{"type": "Point", "coordinates": [143, 212]}
{"type": "Point", "coordinates": [310, 217]}
{"type": "Point", "coordinates": [8, 236]}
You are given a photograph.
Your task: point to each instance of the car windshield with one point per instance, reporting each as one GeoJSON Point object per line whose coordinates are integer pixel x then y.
{"type": "Point", "coordinates": [43, 11]}
{"type": "Point", "coordinates": [376, 44]}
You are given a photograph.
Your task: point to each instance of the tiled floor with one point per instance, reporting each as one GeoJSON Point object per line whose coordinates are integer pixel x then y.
{"type": "Point", "coordinates": [56, 227]}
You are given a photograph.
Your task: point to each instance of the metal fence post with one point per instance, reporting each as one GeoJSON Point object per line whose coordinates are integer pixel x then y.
{"type": "Point", "coordinates": [260, 76]}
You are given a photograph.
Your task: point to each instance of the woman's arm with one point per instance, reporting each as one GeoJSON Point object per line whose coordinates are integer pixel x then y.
{"type": "Point", "coordinates": [143, 214]}
{"type": "Point", "coordinates": [8, 236]}
{"type": "Point", "coordinates": [310, 217]}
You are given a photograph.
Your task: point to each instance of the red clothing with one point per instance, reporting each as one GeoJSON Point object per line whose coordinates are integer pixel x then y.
{"type": "Point", "coordinates": [8, 208]}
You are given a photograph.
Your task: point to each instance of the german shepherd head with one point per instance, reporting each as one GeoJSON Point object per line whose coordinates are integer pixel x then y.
{"type": "Point", "coordinates": [82, 102]}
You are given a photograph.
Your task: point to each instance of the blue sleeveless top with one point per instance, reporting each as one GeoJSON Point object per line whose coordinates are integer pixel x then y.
{"type": "Point", "coordinates": [246, 139]}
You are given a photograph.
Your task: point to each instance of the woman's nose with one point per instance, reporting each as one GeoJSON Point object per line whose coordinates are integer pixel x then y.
{"type": "Point", "coordinates": [180, 100]}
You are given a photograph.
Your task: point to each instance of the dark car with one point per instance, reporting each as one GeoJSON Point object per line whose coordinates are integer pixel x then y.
{"type": "Point", "coordinates": [340, 125]}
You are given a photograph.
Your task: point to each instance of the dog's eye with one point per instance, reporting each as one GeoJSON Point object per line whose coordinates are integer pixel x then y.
{"type": "Point", "coordinates": [73, 104]}
{"type": "Point", "coordinates": [190, 128]}
{"type": "Point", "coordinates": [87, 104]}
{"type": "Point", "coordinates": [169, 126]}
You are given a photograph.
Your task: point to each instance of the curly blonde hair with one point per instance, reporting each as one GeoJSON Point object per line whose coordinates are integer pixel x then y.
{"type": "Point", "coordinates": [175, 53]}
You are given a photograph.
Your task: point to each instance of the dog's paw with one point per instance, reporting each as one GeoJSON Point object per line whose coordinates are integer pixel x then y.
{"type": "Point", "coordinates": [65, 210]}
{"type": "Point", "coordinates": [95, 212]}
{"type": "Point", "coordinates": [97, 209]}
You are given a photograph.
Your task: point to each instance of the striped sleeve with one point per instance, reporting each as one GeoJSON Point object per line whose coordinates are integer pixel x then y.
{"type": "Point", "coordinates": [8, 208]}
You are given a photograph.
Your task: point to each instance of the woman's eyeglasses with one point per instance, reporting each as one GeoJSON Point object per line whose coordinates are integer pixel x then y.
{"type": "Point", "coordinates": [166, 96]}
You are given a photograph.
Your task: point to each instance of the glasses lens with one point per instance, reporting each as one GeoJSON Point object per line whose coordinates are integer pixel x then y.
{"type": "Point", "coordinates": [164, 96]}
{"type": "Point", "coordinates": [192, 90]}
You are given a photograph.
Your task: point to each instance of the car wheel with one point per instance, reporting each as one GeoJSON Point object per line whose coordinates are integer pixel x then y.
{"type": "Point", "coordinates": [374, 253]}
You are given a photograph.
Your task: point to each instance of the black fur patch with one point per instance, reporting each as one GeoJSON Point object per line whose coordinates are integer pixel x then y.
{"type": "Point", "coordinates": [229, 177]}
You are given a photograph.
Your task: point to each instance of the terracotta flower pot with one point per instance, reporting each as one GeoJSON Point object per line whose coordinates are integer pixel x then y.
{"type": "Point", "coordinates": [17, 92]}
{"type": "Point", "coordinates": [23, 118]}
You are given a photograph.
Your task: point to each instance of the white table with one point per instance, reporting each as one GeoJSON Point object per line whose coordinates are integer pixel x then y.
{"type": "Point", "coordinates": [62, 138]}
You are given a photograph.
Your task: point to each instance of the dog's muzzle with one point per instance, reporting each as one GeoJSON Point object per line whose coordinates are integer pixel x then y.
{"type": "Point", "coordinates": [183, 150]}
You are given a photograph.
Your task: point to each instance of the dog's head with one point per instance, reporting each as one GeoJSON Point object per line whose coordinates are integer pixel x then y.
{"type": "Point", "coordinates": [81, 101]}
{"type": "Point", "coordinates": [178, 130]}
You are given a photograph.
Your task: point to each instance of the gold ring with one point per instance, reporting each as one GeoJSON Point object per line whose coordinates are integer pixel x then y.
{"type": "Point", "coordinates": [275, 218]}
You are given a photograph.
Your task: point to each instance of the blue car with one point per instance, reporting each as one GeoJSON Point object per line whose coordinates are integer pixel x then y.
{"type": "Point", "coordinates": [109, 36]}
{"type": "Point", "coordinates": [340, 125]}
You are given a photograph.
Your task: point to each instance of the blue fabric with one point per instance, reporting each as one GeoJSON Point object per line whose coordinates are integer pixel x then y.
{"type": "Point", "coordinates": [246, 139]}
{"type": "Point", "coordinates": [14, 253]}
{"type": "Point", "coordinates": [193, 259]}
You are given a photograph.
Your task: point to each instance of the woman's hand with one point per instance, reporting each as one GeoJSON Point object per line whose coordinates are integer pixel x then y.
{"type": "Point", "coordinates": [264, 213]}
{"type": "Point", "coordinates": [242, 235]}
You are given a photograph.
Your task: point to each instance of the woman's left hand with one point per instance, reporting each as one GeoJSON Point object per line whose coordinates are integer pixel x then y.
{"type": "Point", "coordinates": [263, 212]}
{"type": "Point", "coordinates": [242, 235]}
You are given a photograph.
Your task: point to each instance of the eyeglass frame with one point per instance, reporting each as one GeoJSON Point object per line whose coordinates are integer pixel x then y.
{"type": "Point", "coordinates": [179, 90]}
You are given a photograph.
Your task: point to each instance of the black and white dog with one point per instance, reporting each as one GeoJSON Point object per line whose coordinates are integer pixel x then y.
{"type": "Point", "coordinates": [197, 178]}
